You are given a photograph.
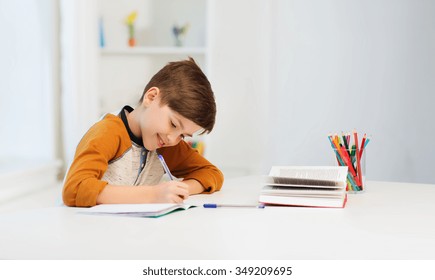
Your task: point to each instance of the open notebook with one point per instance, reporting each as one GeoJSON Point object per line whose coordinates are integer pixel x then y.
{"type": "Point", "coordinates": [150, 210]}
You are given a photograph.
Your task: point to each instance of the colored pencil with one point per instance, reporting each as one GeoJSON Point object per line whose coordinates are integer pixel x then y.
{"type": "Point", "coordinates": [358, 160]}
{"type": "Point", "coordinates": [362, 145]}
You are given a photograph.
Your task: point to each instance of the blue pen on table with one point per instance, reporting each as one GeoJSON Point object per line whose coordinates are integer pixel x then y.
{"type": "Point", "coordinates": [214, 205]}
{"type": "Point", "coordinates": [165, 167]}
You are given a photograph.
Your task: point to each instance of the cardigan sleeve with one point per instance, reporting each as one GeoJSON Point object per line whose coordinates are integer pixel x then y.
{"type": "Point", "coordinates": [187, 163]}
{"type": "Point", "coordinates": [103, 142]}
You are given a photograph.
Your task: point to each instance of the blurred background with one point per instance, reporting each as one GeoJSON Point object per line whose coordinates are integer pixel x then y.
{"type": "Point", "coordinates": [285, 75]}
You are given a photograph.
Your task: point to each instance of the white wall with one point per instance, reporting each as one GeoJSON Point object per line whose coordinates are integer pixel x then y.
{"type": "Point", "coordinates": [28, 90]}
{"type": "Point", "coordinates": [283, 72]}
{"type": "Point", "coordinates": [26, 87]}
{"type": "Point", "coordinates": [333, 66]}
{"type": "Point", "coordinates": [79, 76]}
{"type": "Point", "coordinates": [238, 72]}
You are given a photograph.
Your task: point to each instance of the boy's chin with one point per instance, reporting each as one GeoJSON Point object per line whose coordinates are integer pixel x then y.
{"type": "Point", "coordinates": [152, 148]}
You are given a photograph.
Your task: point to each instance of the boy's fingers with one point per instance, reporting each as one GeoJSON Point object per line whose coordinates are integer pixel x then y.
{"type": "Point", "coordinates": [178, 191]}
{"type": "Point", "coordinates": [182, 184]}
{"type": "Point", "coordinates": [183, 193]}
{"type": "Point", "coordinates": [178, 184]}
{"type": "Point", "coordinates": [177, 199]}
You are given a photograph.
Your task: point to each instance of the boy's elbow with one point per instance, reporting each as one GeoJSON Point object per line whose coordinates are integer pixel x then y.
{"type": "Point", "coordinates": [220, 180]}
{"type": "Point", "coordinates": [69, 202]}
{"type": "Point", "coordinates": [69, 195]}
{"type": "Point", "coordinates": [83, 193]}
{"type": "Point", "coordinates": [217, 182]}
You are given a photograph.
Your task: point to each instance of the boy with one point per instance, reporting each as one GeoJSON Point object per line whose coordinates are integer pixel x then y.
{"type": "Point", "coordinates": [117, 159]}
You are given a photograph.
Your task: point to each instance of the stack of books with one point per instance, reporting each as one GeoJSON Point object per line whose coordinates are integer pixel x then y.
{"type": "Point", "coordinates": [310, 186]}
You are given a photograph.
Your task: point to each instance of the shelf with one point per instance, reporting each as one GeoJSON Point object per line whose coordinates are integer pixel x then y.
{"type": "Point", "coordinates": [155, 46]}
{"type": "Point", "coordinates": [154, 51]}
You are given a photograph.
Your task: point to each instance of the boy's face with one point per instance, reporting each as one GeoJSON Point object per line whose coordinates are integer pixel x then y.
{"type": "Point", "coordinates": [160, 126]}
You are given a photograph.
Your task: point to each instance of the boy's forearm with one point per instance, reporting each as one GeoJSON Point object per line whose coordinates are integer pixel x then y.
{"type": "Point", "coordinates": [125, 194]}
{"type": "Point", "coordinates": [166, 192]}
{"type": "Point", "coordinates": [195, 187]}
{"type": "Point", "coordinates": [139, 194]}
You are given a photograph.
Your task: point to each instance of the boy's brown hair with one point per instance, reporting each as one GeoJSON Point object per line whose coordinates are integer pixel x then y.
{"type": "Point", "coordinates": [187, 91]}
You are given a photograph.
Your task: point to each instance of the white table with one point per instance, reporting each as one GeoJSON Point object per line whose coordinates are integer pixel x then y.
{"type": "Point", "coordinates": [388, 221]}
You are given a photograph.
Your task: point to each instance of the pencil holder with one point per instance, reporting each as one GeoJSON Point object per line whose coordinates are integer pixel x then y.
{"type": "Point", "coordinates": [356, 164]}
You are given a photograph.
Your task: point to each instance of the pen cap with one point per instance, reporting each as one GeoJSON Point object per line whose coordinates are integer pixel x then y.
{"type": "Point", "coordinates": [210, 205]}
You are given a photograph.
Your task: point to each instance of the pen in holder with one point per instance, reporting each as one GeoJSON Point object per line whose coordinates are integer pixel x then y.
{"type": "Point", "coordinates": [353, 156]}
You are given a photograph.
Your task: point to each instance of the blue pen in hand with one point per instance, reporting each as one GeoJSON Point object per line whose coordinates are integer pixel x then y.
{"type": "Point", "coordinates": [165, 167]}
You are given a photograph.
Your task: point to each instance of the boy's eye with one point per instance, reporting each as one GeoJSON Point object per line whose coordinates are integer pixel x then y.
{"type": "Point", "coordinates": [173, 125]}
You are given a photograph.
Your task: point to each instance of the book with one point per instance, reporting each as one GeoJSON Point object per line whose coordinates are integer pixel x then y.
{"type": "Point", "coordinates": [150, 210]}
{"type": "Point", "coordinates": [311, 186]}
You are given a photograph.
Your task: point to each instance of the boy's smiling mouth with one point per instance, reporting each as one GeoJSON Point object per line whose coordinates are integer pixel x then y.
{"type": "Point", "coordinates": [160, 142]}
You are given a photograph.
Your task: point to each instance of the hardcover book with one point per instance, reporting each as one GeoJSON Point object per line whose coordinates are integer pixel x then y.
{"type": "Point", "coordinates": [310, 186]}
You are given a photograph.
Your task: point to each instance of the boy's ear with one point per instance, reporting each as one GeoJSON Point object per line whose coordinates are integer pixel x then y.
{"type": "Point", "coordinates": [151, 95]}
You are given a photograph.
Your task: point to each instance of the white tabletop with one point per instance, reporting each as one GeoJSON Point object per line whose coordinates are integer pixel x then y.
{"type": "Point", "coordinates": [387, 221]}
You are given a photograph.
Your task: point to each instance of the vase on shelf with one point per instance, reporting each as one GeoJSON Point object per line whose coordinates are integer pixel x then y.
{"type": "Point", "coordinates": [130, 20]}
{"type": "Point", "coordinates": [179, 33]}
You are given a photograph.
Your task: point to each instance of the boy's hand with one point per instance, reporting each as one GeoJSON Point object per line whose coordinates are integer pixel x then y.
{"type": "Point", "coordinates": [171, 192]}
